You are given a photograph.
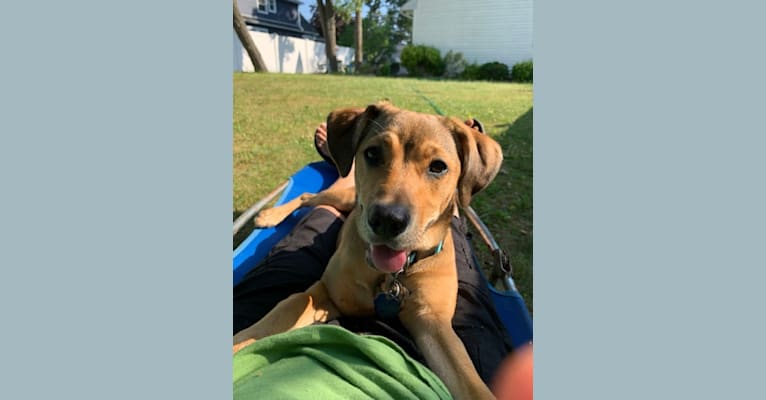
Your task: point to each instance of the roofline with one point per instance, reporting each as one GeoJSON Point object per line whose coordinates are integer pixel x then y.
{"type": "Point", "coordinates": [290, 27]}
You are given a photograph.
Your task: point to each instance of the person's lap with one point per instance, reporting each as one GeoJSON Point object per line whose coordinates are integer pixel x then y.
{"type": "Point", "coordinates": [292, 265]}
{"type": "Point", "coordinates": [299, 260]}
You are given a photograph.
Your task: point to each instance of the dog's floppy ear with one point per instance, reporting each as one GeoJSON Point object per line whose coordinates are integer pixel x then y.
{"type": "Point", "coordinates": [480, 159]}
{"type": "Point", "coordinates": [345, 130]}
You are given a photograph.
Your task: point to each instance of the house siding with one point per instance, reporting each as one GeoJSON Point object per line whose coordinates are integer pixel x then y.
{"type": "Point", "coordinates": [483, 31]}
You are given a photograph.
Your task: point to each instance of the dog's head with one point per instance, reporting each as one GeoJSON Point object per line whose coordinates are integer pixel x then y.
{"type": "Point", "coordinates": [410, 171]}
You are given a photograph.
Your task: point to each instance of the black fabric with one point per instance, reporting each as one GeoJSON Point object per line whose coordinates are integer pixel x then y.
{"type": "Point", "coordinates": [299, 260]}
{"type": "Point", "coordinates": [292, 265]}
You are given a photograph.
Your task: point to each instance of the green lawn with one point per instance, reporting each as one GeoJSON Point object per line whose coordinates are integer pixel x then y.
{"type": "Point", "coordinates": [275, 116]}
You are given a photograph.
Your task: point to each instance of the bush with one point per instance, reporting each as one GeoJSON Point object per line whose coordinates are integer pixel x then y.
{"type": "Point", "coordinates": [454, 64]}
{"type": "Point", "coordinates": [384, 70]}
{"type": "Point", "coordinates": [422, 60]}
{"type": "Point", "coordinates": [471, 72]}
{"type": "Point", "coordinates": [491, 71]}
{"type": "Point", "coordinates": [494, 71]}
{"type": "Point", "coordinates": [522, 72]}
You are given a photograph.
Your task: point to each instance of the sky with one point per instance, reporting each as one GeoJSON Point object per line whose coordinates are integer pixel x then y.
{"type": "Point", "coordinates": [305, 10]}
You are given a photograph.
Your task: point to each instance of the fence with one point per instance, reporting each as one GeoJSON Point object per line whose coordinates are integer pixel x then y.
{"type": "Point", "coordinates": [288, 54]}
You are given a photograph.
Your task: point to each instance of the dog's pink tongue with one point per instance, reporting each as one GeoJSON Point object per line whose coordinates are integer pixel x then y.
{"type": "Point", "coordinates": [387, 259]}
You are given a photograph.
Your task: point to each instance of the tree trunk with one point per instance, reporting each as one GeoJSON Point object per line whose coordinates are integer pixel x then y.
{"type": "Point", "coordinates": [358, 37]}
{"type": "Point", "coordinates": [247, 41]}
{"type": "Point", "coordinates": [327, 20]}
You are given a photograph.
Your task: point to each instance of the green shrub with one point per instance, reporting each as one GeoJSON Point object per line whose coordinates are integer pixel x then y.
{"type": "Point", "coordinates": [384, 70]}
{"type": "Point", "coordinates": [471, 72]}
{"type": "Point", "coordinates": [494, 71]}
{"type": "Point", "coordinates": [522, 72]}
{"type": "Point", "coordinates": [422, 60]}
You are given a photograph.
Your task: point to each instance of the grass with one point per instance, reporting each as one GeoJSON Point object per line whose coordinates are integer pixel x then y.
{"type": "Point", "coordinates": [275, 116]}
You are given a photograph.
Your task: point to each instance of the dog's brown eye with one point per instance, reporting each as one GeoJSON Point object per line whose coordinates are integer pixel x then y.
{"type": "Point", "coordinates": [373, 155]}
{"type": "Point", "coordinates": [437, 167]}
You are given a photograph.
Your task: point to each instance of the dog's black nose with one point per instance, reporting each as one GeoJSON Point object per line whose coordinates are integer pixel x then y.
{"type": "Point", "coordinates": [388, 221]}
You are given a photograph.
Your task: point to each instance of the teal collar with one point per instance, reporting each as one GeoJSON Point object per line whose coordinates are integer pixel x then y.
{"type": "Point", "coordinates": [412, 258]}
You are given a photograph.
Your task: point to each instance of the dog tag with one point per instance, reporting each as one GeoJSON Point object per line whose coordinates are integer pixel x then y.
{"type": "Point", "coordinates": [387, 304]}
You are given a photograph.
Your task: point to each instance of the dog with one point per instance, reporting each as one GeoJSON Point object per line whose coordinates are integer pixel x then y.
{"type": "Point", "coordinates": [395, 252]}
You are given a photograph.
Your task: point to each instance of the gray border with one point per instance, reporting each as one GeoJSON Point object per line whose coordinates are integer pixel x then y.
{"type": "Point", "coordinates": [649, 200]}
{"type": "Point", "coordinates": [115, 162]}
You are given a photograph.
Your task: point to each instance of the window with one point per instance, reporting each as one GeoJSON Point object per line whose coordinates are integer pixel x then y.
{"type": "Point", "coordinates": [266, 6]}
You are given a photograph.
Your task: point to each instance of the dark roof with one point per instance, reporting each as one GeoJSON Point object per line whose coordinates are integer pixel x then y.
{"type": "Point", "coordinates": [286, 21]}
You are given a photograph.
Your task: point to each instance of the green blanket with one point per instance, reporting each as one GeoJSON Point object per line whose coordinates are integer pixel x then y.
{"type": "Point", "coordinates": [329, 362]}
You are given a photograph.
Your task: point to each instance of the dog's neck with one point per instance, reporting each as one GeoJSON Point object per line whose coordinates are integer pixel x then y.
{"type": "Point", "coordinates": [392, 290]}
{"type": "Point", "coordinates": [444, 218]}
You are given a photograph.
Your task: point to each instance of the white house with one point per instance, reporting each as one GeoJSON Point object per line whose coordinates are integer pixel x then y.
{"type": "Point", "coordinates": [287, 42]}
{"type": "Point", "coordinates": [484, 31]}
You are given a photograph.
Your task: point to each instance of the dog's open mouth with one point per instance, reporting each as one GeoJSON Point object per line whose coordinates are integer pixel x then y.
{"type": "Point", "coordinates": [386, 259]}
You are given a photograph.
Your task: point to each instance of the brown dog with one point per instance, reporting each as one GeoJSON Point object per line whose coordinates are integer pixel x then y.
{"type": "Point", "coordinates": [412, 170]}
